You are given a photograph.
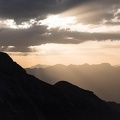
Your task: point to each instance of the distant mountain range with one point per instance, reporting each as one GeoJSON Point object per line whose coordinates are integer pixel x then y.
{"type": "Point", "coordinates": [103, 79]}
{"type": "Point", "coordinates": [24, 97]}
{"type": "Point", "coordinates": [39, 66]}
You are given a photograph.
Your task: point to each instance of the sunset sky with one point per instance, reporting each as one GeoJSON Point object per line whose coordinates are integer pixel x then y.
{"type": "Point", "coordinates": [60, 31]}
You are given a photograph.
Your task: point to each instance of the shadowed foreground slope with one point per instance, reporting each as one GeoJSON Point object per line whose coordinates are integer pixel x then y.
{"type": "Point", "coordinates": [24, 97]}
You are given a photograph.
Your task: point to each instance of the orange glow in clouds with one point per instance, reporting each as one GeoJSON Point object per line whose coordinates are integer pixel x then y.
{"type": "Point", "coordinates": [91, 52]}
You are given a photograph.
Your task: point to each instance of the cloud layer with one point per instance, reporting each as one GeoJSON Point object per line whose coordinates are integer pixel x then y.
{"type": "Point", "coordinates": [23, 9]}
{"type": "Point", "coordinates": [19, 18]}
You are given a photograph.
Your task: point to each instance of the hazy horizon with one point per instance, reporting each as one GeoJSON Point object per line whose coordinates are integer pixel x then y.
{"type": "Point", "coordinates": [47, 65]}
{"type": "Point", "coordinates": [102, 79]}
{"type": "Point", "coordinates": [63, 31]}
{"type": "Point", "coordinates": [31, 60]}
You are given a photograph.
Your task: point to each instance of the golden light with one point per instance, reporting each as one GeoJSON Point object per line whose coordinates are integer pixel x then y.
{"type": "Point", "coordinates": [11, 23]}
{"type": "Point", "coordinates": [91, 52]}
{"type": "Point", "coordinates": [54, 21]}
{"type": "Point", "coordinates": [6, 48]}
{"type": "Point", "coordinates": [79, 19]}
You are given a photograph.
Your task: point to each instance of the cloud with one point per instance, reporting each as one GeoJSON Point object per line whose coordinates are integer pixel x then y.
{"type": "Point", "coordinates": [22, 10]}
{"type": "Point", "coordinates": [95, 11]}
{"type": "Point", "coordinates": [26, 9]}
{"type": "Point", "coordinates": [22, 39]}
{"type": "Point", "coordinates": [17, 29]}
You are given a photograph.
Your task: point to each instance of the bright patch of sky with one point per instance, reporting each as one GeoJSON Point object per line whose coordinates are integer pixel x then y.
{"type": "Point", "coordinates": [72, 24]}
{"type": "Point", "coordinates": [68, 23]}
{"type": "Point", "coordinates": [91, 52]}
{"type": "Point", "coordinates": [10, 23]}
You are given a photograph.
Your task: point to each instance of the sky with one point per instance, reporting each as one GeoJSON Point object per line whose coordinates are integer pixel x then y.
{"type": "Point", "coordinates": [60, 31]}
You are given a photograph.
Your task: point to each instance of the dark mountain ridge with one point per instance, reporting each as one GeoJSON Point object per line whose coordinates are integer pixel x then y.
{"type": "Point", "coordinates": [24, 97]}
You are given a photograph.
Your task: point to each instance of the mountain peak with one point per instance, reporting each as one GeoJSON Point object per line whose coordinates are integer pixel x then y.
{"type": "Point", "coordinates": [7, 65]}
{"type": "Point", "coordinates": [6, 62]}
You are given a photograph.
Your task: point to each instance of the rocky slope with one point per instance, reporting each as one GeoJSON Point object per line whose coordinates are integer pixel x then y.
{"type": "Point", "coordinates": [24, 97]}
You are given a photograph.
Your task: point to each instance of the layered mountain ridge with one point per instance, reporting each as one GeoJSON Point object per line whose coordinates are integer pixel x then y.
{"type": "Point", "coordinates": [102, 79]}
{"type": "Point", "coordinates": [24, 97]}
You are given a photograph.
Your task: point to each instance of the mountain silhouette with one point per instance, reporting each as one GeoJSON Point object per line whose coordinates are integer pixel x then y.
{"type": "Point", "coordinates": [40, 66]}
{"type": "Point", "coordinates": [102, 79]}
{"type": "Point", "coordinates": [24, 97]}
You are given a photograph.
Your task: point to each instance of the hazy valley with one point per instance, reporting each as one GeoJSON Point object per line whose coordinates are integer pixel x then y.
{"type": "Point", "coordinates": [103, 79]}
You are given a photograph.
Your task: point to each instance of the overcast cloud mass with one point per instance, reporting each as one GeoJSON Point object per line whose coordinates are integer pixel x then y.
{"type": "Point", "coordinates": [22, 22]}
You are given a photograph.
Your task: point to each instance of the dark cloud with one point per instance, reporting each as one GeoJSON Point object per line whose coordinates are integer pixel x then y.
{"type": "Point", "coordinates": [19, 9]}
{"type": "Point", "coordinates": [37, 35]}
{"type": "Point", "coordinates": [15, 49]}
{"type": "Point", "coordinates": [22, 37]}
{"type": "Point", "coordinates": [96, 11]}
{"type": "Point", "coordinates": [25, 9]}
{"type": "Point", "coordinates": [22, 10]}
